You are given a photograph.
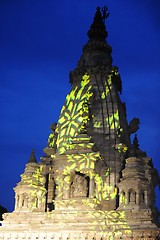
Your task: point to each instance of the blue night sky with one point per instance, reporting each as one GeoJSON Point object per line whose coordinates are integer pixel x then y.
{"type": "Point", "coordinates": [40, 42]}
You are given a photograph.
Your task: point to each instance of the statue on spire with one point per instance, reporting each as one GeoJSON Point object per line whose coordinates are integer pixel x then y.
{"type": "Point", "coordinates": [105, 14]}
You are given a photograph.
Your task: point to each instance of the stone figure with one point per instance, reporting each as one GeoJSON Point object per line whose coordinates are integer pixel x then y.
{"type": "Point", "coordinates": [79, 187]}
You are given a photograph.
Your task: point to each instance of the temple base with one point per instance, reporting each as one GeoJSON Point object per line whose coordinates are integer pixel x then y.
{"type": "Point", "coordinates": [72, 224]}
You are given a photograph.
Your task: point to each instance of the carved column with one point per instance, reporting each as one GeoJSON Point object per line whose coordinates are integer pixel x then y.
{"type": "Point", "coordinates": [137, 197]}
{"type": "Point", "coordinates": [51, 186]}
{"type": "Point", "coordinates": [59, 188]}
{"type": "Point", "coordinates": [128, 195]}
{"type": "Point", "coordinates": [146, 198]}
{"type": "Point", "coordinates": [66, 187]}
{"type": "Point", "coordinates": [91, 187]}
{"type": "Point", "coordinates": [16, 203]}
{"type": "Point", "coordinates": [20, 201]}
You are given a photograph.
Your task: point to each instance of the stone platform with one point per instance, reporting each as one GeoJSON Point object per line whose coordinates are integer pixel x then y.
{"type": "Point", "coordinates": [74, 224]}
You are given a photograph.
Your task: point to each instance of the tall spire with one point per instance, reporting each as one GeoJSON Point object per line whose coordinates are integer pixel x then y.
{"type": "Point", "coordinates": [98, 29]}
{"type": "Point", "coordinates": [32, 158]}
{"type": "Point", "coordinates": [96, 53]}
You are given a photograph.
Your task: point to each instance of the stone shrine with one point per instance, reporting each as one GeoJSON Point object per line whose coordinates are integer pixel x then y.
{"type": "Point", "coordinates": [92, 183]}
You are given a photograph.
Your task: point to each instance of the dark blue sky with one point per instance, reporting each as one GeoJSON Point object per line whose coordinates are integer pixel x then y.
{"type": "Point", "coordinates": [40, 42]}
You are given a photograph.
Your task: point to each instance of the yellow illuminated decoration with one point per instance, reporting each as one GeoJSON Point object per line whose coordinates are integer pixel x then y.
{"type": "Point", "coordinates": [109, 224]}
{"type": "Point", "coordinates": [51, 140]}
{"type": "Point", "coordinates": [84, 188]}
{"type": "Point", "coordinates": [108, 83]}
{"type": "Point", "coordinates": [74, 113]}
{"type": "Point", "coordinates": [97, 124]}
{"type": "Point", "coordinates": [34, 190]}
{"type": "Point", "coordinates": [111, 217]}
{"type": "Point", "coordinates": [83, 163]}
{"type": "Point", "coordinates": [73, 120]}
{"type": "Point", "coordinates": [121, 148]}
{"type": "Point", "coordinates": [108, 87]}
{"type": "Point", "coordinates": [123, 199]}
{"type": "Point", "coordinates": [113, 121]}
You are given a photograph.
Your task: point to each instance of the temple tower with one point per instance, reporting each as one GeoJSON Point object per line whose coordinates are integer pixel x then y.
{"type": "Point", "coordinates": [92, 183]}
{"type": "Point", "coordinates": [93, 109]}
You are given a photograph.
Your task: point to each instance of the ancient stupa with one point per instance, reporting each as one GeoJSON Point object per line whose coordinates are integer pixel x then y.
{"type": "Point", "coordinates": [92, 183]}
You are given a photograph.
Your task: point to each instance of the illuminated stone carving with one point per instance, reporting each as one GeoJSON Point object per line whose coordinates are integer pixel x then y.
{"type": "Point", "coordinates": [30, 192]}
{"type": "Point", "coordinates": [92, 183]}
{"type": "Point", "coordinates": [79, 187]}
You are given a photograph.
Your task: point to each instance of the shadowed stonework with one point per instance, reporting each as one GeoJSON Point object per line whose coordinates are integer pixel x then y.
{"type": "Point", "coordinates": [93, 183]}
{"type": "Point", "coordinates": [2, 210]}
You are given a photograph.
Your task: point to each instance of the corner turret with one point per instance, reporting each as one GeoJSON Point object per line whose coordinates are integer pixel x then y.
{"type": "Point", "coordinates": [30, 191]}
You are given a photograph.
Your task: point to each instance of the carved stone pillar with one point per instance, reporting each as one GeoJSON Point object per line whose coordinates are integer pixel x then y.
{"type": "Point", "coordinates": [146, 198]}
{"type": "Point", "coordinates": [128, 197]}
{"type": "Point", "coordinates": [137, 197]}
{"type": "Point", "coordinates": [66, 187]}
{"type": "Point", "coordinates": [20, 201]}
{"type": "Point", "coordinates": [91, 188]}
{"type": "Point", "coordinates": [59, 188]}
{"type": "Point", "coordinates": [51, 186]}
{"type": "Point", "coordinates": [16, 202]}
